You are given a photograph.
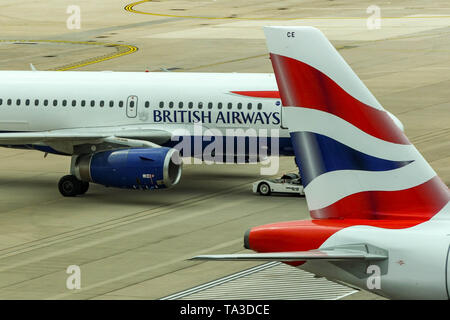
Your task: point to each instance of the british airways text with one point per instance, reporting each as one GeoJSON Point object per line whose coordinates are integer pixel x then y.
{"type": "Point", "coordinates": [226, 117]}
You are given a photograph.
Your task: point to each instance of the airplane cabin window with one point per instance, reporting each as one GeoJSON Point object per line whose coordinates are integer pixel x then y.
{"type": "Point", "coordinates": [92, 103]}
{"type": "Point", "coordinates": [1, 102]}
{"type": "Point", "coordinates": [200, 105]}
{"type": "Point", "coordinates": [83, 103]}
{"type": "Point", "coordinates": [55, 103]}
{"type": "Point", "coordinates": [9, 102]}
{"type": "Point", "coordinates": [102, 103]}
{"type": "Point", "coordinates": [219, 105]}
{"type": "Point", "coordinates": [27, 102]}
{"type": "Point", "coordinates": [170, 104]}
{"type": "Point", "coordinates": [259, 106]}
{"type": "Point", "coordinates": [180, 105]}
{"type": "Point", "coordinates": [74, 103]}
{"type": "Point", "coordinates": [230, 105]}
{"type": "Point", "coordinates": [64, 103]}
{"type": "Point", "coordinates": [249, 106]}
{"type": "Point", "coordinates": [161, 104]}
{"type": "Point", "coordinates": [18, 102]}
{"type": "Point", "coordinates": [111, 103]}
{"type": "Point", "coordinates": [210, 105]}
{"type": "Point", "coordinates": [239, 106]}
{"type": "Point", "coordinates": [120, 104]}
{"type": "Point", "coordinates": [147, 104]}
{"type": "Point", "coordinates": [190, 105]}
{"type": "Point", "coordinates": [36, 102]}
{"type": "Point", "coordinates": [45, 102]}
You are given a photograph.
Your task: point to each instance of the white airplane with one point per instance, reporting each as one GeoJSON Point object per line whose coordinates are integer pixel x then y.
{"type": "Point", "coordinates": [380, 214]}
{"type": "Point", "coordinates": [123, 128]}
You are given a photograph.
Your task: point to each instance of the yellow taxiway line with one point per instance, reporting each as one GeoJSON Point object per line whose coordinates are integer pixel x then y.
{"type": "Point", "coordinates": [121, 50]}
{"type": "Point", "coordinates": [130, 8]}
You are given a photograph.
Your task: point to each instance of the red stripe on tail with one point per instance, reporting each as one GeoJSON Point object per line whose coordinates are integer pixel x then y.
{"type": "Point", "coordinates": [307, 87]}
{"type": "Point", "coordinates": [419, 203]}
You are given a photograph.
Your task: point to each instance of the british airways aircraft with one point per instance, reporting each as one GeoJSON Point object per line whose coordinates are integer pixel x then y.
{"type": "Point", "coordinates": [380, 214]}
{"type": "Point", "coordinates": [123, 129]}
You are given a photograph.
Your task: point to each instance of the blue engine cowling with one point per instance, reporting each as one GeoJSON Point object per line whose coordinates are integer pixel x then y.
{"type": "Point", "coordinates": [136, 168]}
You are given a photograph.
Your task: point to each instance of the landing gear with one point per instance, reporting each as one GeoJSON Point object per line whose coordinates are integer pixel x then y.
{"type": "Point", "coordinates": [84, 187]}
{"type": "Point", "coordinates": [70, 186]}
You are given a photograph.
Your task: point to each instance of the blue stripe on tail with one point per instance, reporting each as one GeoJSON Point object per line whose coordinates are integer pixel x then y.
{"type": "Point", "coordinates": [318, 154]}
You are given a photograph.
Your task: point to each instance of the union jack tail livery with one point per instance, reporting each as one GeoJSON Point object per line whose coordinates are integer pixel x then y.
{"type": "Point", "coordinates": [380, 214]}
{"type": "Point", "coordinates": [354, 160]}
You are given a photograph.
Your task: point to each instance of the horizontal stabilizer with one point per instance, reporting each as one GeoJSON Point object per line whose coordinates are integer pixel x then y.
{"type": "Point", "coordinates": [341, 253]}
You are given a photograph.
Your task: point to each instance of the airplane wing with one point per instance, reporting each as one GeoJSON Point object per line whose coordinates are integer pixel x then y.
{"type": "Point", "coordinates": [69, 141]}
{"type": "Point", "coordinates": [80, 134]}
{"type": "Point", "coordinates": [363, 252]}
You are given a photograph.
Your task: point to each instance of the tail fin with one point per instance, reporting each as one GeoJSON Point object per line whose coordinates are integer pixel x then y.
{"type": "Point", "coordinates": [354, 160]}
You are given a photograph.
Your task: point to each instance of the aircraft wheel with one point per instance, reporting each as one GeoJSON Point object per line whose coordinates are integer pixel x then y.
{"type": "Point", "coordinates": [69, 186]}
{"type": "Point", "coordinates": [264, 189]}
{"type": "Point", "coordinates": [84, 187]}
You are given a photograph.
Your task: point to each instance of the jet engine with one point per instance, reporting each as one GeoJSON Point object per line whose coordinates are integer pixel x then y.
{"type": "Point", "coordinates": [135, 168]}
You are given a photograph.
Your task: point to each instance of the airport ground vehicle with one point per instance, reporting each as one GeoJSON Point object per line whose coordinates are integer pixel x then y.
{"type": "Point", "coordinates": [288, 183]}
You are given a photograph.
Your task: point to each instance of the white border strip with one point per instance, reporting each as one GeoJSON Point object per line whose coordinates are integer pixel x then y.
{"type": "Point", "coordinates": [300, 119]}
{"type": "Point", "coordinates": [333, 186]}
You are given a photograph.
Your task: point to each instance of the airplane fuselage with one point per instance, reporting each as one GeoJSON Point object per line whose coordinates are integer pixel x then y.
{"type": "Point", "coordinates": [33, 101]}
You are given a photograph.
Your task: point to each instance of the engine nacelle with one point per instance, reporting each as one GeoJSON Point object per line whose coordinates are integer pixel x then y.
{"type": "Point", "coordinates": [135, 168]}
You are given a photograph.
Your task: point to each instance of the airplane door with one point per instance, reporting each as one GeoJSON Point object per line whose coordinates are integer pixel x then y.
{"type": "Point", "coordinates": [132, 105]}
